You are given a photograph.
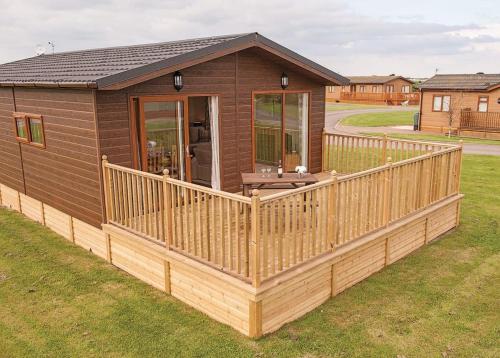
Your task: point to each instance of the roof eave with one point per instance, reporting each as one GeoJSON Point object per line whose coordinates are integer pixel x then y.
{"type": "Point", "coordinates": [92, 85]}
{"type": "Point", "coordinates": [463, 89]}
{"type": "Point", "coordinates": [144, 73]}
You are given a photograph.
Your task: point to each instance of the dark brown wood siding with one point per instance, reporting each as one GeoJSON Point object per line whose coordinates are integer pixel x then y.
{"type": "Point", "coordinates": [65, 174]}
{"type": "Point", "coordinates": [232, 78]}
{"type": "Point", "coordinates": [11, 171]}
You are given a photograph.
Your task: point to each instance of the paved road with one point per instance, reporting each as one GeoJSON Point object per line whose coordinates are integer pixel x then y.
{"type": "Point", "coordinates": [333, 118]}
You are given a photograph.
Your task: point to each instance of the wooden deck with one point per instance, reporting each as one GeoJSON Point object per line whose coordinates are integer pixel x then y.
{"type": "Point", "coordinates": [257, 263]}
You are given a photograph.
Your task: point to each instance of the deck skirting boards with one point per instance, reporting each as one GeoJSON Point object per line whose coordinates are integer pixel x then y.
{"type": "Point", "coordinates": [251, 311]}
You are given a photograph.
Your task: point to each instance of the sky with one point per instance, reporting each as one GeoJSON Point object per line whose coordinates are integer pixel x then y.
{"type": "Point", "coordinates": [356, 37]}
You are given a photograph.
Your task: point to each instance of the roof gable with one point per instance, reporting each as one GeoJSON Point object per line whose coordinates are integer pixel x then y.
{"type": "Point", "coordinates": [118, 67]}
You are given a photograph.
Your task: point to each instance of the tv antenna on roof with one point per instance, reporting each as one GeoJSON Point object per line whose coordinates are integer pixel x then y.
{"type": "Point", "coordinates": [53, 45]}
{"type": "Point", "coordinates": [436, 71]}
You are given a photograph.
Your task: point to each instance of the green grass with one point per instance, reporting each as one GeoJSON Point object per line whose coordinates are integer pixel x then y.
{"type": "Point", "coordinates": [443, 300]}
{"type": "Point", "coordinates": [403, 118]}
{"type": "Point", "coordinates": [350, 106]}
{"type": "Point", "coordinates": [437, 138]}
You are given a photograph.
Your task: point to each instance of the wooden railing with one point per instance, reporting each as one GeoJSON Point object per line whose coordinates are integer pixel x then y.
{"type": "Point", "coordinates": [485, 121]}
{"type": "Point", "coordinates": [257, 238]}
{"type": "Point", "coordinates": [353, 153]}
{"type": "Point", "coordinates": [297, 225]}
{"type": "Point", "coordinates": [134, 200]}
{"type": "Point", "coordinates": [209, 225]}
{"type": "Point", "coordinates": [395, 97]}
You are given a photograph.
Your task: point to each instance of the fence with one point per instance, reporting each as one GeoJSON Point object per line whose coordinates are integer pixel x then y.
{"type": "Point", "coordinates": [206, 224]}
{"type": "Point", "coordinates": [480, 120]}
{"type": "Point", "coordinates": [351, 153]}
{"type": "Point", "coordinates": [259, 237]}
{"type": "Point", "coordinates": [381, 97]}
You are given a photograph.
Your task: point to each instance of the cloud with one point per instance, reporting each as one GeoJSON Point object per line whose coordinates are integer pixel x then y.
{"type": "Point", "coordinates": [330, 32]}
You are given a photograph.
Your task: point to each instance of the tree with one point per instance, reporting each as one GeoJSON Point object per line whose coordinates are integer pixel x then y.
{"type": "Point", "coordinates": [455, 107]}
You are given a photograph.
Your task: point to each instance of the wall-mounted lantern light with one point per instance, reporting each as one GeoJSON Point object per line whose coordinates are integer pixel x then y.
{"type": "Point", "coordinates": [284, 80]}
{"type": "Point", "coordinates": [178, 84]}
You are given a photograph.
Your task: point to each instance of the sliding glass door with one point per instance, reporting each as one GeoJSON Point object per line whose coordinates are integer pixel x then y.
{"type": "Point", "coordinates": [163, 137]}
{"type": "Point", "coordinates": [281, 122]}
{"type": "Point", "coordinates": [178, 133]}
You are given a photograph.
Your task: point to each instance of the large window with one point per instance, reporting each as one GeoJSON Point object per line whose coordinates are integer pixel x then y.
{"type": "Point", "coordinates": [362, 89]}
{"type": "Point", "coordinates": [29, 128]}
{"type": "Point", "coordinates": [281, 122]}
{"type": "Point", "coordinates": [482, 105]}
{"type": "Point", "coordinates": [441, 103]}
{"type": "Point", "coordinates": [405, 88]}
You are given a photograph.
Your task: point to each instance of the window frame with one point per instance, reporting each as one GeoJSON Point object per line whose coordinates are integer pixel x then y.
{"type": "Point", "coordinates": [362, 89]}
{"type": "Point", "coordinates": [16, 117]}
{"type": "Point", "coordinates": [26, 117]}
{"type": "Point", "coordinates": [283, 94]}
{"type": "Point", "coordinates": [405, 88]}
{"type": "Point", "coordinates": [442, 96]}
{"type": "Point", "coordinates": [486, 100]}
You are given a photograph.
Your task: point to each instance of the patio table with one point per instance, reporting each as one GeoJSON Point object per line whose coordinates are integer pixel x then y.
{"type": "Point", "coordinates": [257, 181]}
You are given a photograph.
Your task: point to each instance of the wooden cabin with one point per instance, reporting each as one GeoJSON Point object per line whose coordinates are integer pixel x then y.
{"type": "Point", "coordinates": [200, 112]}
{"type": "Point", "coordinates": [389, 90]}
{"type": "Point", "coordinates": [241, 102]}
{"type": "Point", "coordinates": [468, 104]}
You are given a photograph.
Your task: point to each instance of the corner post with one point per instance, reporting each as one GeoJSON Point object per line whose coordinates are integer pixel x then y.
{"type": "Point", "coordinates": [332, 214]}
{"type": "Point", "coordinates": [388, 192]}
{"type": "Point", "coordinates": [167, 210]}
{"type": "Point", "coordinates": [107, 194]}
{"type": "Point", "coordinates": [255, 240]}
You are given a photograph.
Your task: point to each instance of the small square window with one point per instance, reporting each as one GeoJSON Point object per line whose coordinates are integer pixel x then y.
{"type": "Point", "coordinates": [29, 128]}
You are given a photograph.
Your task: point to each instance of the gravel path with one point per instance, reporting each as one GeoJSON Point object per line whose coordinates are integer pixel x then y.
{"type": "Point", "coordinates": [333, 118]}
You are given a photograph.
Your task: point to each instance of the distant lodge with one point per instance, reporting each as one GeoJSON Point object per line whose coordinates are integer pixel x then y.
{"type": "Point", "coordinates": [390, 90]}
{"type": "Point", "coordinates": [465, 104]}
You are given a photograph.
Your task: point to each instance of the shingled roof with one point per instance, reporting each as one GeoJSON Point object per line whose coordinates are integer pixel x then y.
{"type": "Point", "coordinates": [100, 68]}
{"type": "Point", "coordinates": [470, 82]}
{"type": "Point", "coordinates": [380, 80]}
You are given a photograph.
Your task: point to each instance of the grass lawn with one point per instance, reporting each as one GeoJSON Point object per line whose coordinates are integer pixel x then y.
{"type": "Point", "coordinates": [437, 138]}
{"type": "Point", "coordinates": [383, 119]}
{"type": "Point", "coordinates": [349, 106]}
{"type": "Point", "coordinates": [443, 300]}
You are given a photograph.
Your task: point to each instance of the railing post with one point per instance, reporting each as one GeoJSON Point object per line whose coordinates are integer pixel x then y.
{"type": "Point", "coordinates": [332, 207]}
{"type": "Point", "coordinates": [255, 240]}
{"type": "Point", "coordinates": [384, 150]}
{"type": "Point", "coordinates": [459, 166]}
{"type": "Point", "coordinates": [388, 192]}
{"type": "Point", "coordinates": [425, 186]}
{"type": "Point", "coordinates": [106, 183]}
{"type": "Point", "coordinates": [167, 209]}
{"type": "Point", "coordinates": [323, 150]}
